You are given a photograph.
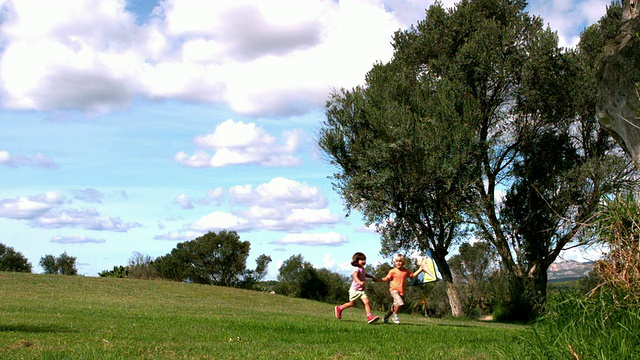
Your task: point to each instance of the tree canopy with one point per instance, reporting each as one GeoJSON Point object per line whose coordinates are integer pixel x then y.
{"type": "Point", "coordinates": [217, 259]}
{"type": "Point", "coordinates": [64, 264]}
{"type": "Point", "coordinates": [11, 260]}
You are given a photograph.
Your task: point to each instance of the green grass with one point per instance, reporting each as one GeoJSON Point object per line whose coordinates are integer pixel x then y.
{"type": "Point", "coordinates": [72, 317]}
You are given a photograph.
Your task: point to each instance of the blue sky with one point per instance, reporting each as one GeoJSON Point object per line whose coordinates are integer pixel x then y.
{"type": "Point", "coordinates": [130, 126]}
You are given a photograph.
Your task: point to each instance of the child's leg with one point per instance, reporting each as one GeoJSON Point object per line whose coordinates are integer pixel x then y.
{"type": "Point", "coordinates": [370, 317]}
{"type": "Point", "coordinates": [367, 307]}
{"type": "Point", "coordinates": [347, 305]}
{"type": "Point", "coordinates": [389, 312]}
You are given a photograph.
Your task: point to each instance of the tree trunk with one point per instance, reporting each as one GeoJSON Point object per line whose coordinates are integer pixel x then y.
{"type": "Point", "coordinates": [537, 284]}
{"type": "Point", "coordinates": [527, 295]}
{"type": "Point", "coordinates": [447, 277]}
{"type": "Point", "coordinates": [618, 106]}
{"type": "Point", "coordinates": [454, 299]}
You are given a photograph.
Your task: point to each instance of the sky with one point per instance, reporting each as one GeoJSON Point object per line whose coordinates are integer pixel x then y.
{"type": "Point", "coordinates": [128, 126]}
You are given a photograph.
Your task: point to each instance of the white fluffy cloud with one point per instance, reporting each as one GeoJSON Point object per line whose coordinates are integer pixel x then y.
{"type": "Point", "coordinates": [29, 207]}
{"type": "Point", "coordinates": [75, 239]}
{"type": "Point", "coordinates": [236, 143]}
{"type": "Point", "coordinates": [279, 205]}
{"type": "Point", "coordinates": [38, 160]}
{"type": "Point", "coordinates": [280, 192]}
{"type": "Point", "coordinates": [276, 57]}
{"type": "Point", "coordinates": [47, 211]}
{"type": "Point", "coordinates": [184, 201]}
{"type": "Point", "coordinates": [269, 56]}
{"type": "Point", "coordinates": [86, 218]}
{"type": "Point", "coordinates": [325, 239]}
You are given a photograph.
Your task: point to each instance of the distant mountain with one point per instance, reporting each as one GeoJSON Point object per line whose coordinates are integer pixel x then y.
{"type": "Point", "coordinates": [569, 270]}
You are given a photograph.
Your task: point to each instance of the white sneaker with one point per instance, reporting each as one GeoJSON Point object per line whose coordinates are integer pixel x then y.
{"type": "Point", "coordinates": [395, 319]}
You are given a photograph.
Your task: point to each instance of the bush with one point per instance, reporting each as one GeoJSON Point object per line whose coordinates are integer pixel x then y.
{"type": "Point", "coordinates": [141, 267]}
{"type": "Point", "coordinates": [575, 327]}
{"type": "Point", "coordinates": [117, 272]}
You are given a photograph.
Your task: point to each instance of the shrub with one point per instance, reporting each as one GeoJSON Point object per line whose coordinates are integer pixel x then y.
{"type": "Point", "coordinates": [579, 327]}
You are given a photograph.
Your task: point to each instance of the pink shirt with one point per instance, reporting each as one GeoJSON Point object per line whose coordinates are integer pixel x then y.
{"type": "Point", "coordinates": [361, 276]}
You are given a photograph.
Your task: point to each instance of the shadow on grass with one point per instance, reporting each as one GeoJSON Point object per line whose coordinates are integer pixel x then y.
{"type": "Point", "coordinates": [35, 328]}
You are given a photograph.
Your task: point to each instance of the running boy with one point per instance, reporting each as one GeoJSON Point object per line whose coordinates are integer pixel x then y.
{"type": "Point", "coordinates": [358, 285]}
{"type": "Point", "coordinates": [397, 278]}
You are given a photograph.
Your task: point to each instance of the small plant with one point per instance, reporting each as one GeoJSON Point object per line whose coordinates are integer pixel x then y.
{"type": "Point", "coordinates": [619, 228]}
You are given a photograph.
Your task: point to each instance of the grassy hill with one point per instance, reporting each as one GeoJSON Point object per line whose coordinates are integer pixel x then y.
{"type": "Point", "coordinates": [73, 317]}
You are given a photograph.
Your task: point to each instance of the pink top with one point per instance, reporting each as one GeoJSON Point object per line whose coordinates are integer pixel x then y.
{"type": "Point", "coordinates": [361, 276]}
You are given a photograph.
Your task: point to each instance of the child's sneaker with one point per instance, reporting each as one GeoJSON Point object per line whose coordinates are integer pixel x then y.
{"type": "Point", "coordinates": [395, 319]}
{"type": "Point", "coordinates": [385, 319]}
{"type": "Point", "coordinates": [372, 319]}
{"type": "Point", "coordinates": [338, 312]}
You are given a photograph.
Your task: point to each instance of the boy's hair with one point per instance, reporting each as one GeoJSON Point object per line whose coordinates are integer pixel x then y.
{"type": "Point", "coordinates": [357, 257]}
{"type": "Point", "coordinates": [400, 257]}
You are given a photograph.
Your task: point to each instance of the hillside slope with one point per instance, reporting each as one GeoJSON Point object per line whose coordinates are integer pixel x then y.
{"type": "Point", "coordinates": [74, 317]}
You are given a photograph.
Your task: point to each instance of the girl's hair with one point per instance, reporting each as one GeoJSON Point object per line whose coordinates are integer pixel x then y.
{"type": "Point", "coordinates": [400, 257]}
{"type": "Point", "coordinates": [357, 257]}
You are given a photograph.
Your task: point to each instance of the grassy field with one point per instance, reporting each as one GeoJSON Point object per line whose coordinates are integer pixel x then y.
{"type": "Point", "coordinates": [73, 317]}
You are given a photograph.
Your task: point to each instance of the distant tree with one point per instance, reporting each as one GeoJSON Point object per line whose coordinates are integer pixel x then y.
{"type": "Point", "coordinates": [290, 275]}
{"type": "Point", "coordinates": [67, 264]}
{"type": "Point", "coordinates": [299, 278]}
{"type": "Point", "coordinates": [217, 259]}
{"type": "Point", "coordinates": [141, 267]}
{"type": "Point", "coordinates": [11, 260]}
{"type": "Point", "coordinates": [61, 265]}
{"type": "Point", "coordinates": [253, 277]}
{"type": "Point", "coordinates": [337, 286]}
{"type": "Point", "coordinates": [48, 263]}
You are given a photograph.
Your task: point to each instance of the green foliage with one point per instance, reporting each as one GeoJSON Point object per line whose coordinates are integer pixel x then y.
{"type": "Point", "coordinates": [62, 265]}
{"type": "Point", "coordinates": [298, 278]}
{"type": "Point", "coordinates": [48, 264]}
{"type": "Point", "coordinates": [601, 318]}
{"type": "Point", "coordinates": [337, 286]}
{"type": "Point", "coordinates": [576, 327]}
{"type": "Point", "coordinates": [11, 260]}
{"type": "Point", "coordinates": [253, 277]}
{"type": "Point", "coordinates": [218, 259]}
{"type": "Point", "coordinates": [117, 272]}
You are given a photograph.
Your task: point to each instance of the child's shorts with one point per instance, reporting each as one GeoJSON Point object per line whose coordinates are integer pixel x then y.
{"type": "Point", "coordinates": [397, 298]}
{"type": "Point", "coordinates": [356, 294]}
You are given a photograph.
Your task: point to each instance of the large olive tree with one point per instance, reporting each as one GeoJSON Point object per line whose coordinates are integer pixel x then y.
{"type": "Point", "coordinates": [479, 117]}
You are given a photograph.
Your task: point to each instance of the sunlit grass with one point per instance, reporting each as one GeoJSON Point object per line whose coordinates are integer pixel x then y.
{"type": "Point", "coordinates": [70, 317]}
